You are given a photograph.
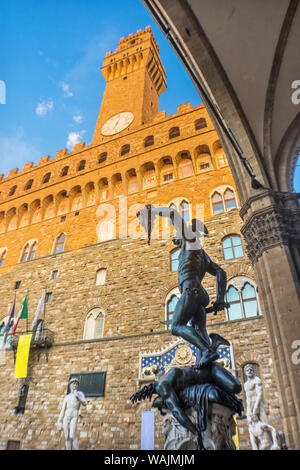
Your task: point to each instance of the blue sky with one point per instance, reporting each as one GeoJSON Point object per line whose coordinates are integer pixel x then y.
{"type": "Point", "coordinates": [50, 59]}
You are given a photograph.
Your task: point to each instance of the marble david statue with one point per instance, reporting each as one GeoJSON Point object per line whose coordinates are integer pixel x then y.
{"type": "Point", "coordinates": [69, 414]}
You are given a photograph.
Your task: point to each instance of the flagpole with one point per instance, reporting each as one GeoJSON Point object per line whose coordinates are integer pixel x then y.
{"type": "Point", "coordinates": [44, 312]}
{"type": "Point", "coordinates": [27, 311]}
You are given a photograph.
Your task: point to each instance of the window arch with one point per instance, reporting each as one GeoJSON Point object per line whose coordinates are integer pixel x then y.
{"type": "Point", "coordinates": [223, 200]}
{"type": "Point", "coordinates": [174, 259]}
{"type": "Point", "coordinates": [125, 149]}
{"type": "Point", "coordinates": [149, 140]}
{"type": "Point", "coordinates": [12, 190]}
{"type": "Point", "coordinates": [172, 206]}
{"type": "Point", "coordinates": [64, 171]}
{"type": "Point", "coordinates": [217, 203]}
{"type": "Point", "coordinates": [232, 247]}
{"type": "Point", "coordinates": [200, 124]}
{"type": "Point", "coordinates": [81, 165]}
{"type": "Point", "coordinates": [166, 170]}
{"type": "Point", "coordinates": [32, 251]}
{"type": "Point", "coordinates": [170, 304]}
{"type": "Point", "coordinates": [25, 253]}
{"type": "Point", "coordinates": [229, 198]}
{"type": "Point", "coordinates": [2, 257]}
{"type": "Point", "coordinates": [46, 178]}
{"type": "Point", "coordinates": [174, 132]}
{"type": "Point", "coordinates": [242, 297]}
{"type": "Point", "coordinates": [28, 185]}
{"type": "Point", "coordinates": [102, 157]}
{"type": "Point", "coordinates": [185, 165]}
{"type": "Point", "coordinates": [94, 324]}
{"type": "Point", "coordinates": [28, 252]}
{"type": "Point", "coordinates": [60, 243]}
{"type": "Point", "coordinates": [184, 210]}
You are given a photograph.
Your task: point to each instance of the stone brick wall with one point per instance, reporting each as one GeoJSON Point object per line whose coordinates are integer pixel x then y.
{"type": "Point", "coordinates": [133, 300]}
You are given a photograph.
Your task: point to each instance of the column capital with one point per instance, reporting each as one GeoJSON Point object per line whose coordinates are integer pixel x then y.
{"type": "Point", "coordinates": [270, 219]}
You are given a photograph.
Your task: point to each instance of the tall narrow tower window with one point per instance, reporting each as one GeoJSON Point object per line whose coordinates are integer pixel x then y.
{"type": "Point", "coordinates": [46, 178]}
{"type": "Point", "coordinates": [200, 124]}
{"type": "Point", "coordinates": [12, 190]}
{"type": "Point", "coordinates": [81, 165]}
{"type": "Point", "coordinates": [125, 149]}
{"type": "Point", "coordinates": [28, 185]}
{"type": "Point", "coordinates": [174, 132]}
{"type": "Point", "coordinates": [149, 141]}
{"type": "Point", "coordinates": [64, 171]}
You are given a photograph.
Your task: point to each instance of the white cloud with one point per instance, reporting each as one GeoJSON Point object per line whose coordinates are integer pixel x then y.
{"type": "Point", "coordinates": [78, 118]}
{"type": "Point", "coordinates": [66, 89]}
{"type": "Point", "coordinates": [74, 138]}
{"type": "Point", "coordinates": [16, 150]}
{"type": "Point", "coordinates": [43, 108]}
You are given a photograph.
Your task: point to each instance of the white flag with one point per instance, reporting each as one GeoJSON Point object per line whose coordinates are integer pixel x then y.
{"type": "Point", "coordinates": [40, 309]}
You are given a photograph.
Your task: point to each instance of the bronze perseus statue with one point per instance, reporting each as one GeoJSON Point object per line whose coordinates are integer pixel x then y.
{"type": "Point", "coordinates": [189, 319]}
{"type": "Point", "coordinates": [200, 386]}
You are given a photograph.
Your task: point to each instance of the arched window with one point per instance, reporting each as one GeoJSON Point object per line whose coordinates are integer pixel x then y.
{"type": "Point", "coordinates": [174, 259]}
{"type": "Point", "coordinates": [221, 159]}
{"type": "Point", "coordinates": [32, 251]}
{"type": "Point", "coordinates": [171, 307]}
{"type": "Point", "coordinates": [232, 247]}
{"type": "Point", "coordinates": [2, 258]}
{"type": "Point", "coordinates": [170, 304]}
{"type": "Point", "coordinates": [167, 170]}
{"type": "Point", "coordinates": [223, 200]}
{"type": "Point", "coordinates": [242, 297]}
{"type": "Point", "coordinates": [170, 219]}
{"type": "Point", "coordinates": [174, 132]}
{"type": "Point", "coordinates": [60, 243]}
{"type": "Point", "coordinates": [25, 253]}
{"type": "Point", "coordinates": [229, 198]}
{"type": "Point", "coordinates": [64, 171]}
{"type": "Point", "coordinates": [125, 149]}
{"type": "Point", "coordinates": [81, 165]}
{"type": "Point", "coordinates": [28, 185]}
{"type": "Point", "coordinates": [217, 203]}
{"type": "Point", "coordinates": [184, 210]}
{"type": "Point", "coordinates": [200, 124]}
{"type": "Point", "coordinates": [12, 190]}
{"type": "Point", "coordinates": [102, 157]}
{"type": "Point", "coordinates": [28, 252]}
{"type": "Point", "coordinates": [46, 178]}
{"type": "Point", "coordinates": [185, 165]}
{"type": "Point", "coordinates": [101, 277]}
{"type": "Point", "coordinates": [149, 140]}
{"type": "Point", "coordinates": [94, 324]}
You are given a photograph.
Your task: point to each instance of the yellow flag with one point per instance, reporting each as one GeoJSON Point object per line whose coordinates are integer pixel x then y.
{"type": "Point", "coordinates": [22, 356]}
{"type": "Point", "coordinates": [235, 438]}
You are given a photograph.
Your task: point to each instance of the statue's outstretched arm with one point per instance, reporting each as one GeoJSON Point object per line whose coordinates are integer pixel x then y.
{"type": "Point", "coordinates": [221, 280]}
{"type": "Point", "coordinates": [146, 217]}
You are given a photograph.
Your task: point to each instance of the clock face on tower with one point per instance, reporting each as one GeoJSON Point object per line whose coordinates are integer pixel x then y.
{"type": "Point", "coordinates": [117, 123]}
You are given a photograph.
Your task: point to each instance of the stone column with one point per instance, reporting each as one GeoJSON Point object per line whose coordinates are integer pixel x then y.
{"type": "Point", "coordinates": [272, 234]}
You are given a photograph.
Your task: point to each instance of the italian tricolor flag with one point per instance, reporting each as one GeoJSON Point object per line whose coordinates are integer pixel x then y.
{"type": "Point", "coordinates": [23, 313]}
